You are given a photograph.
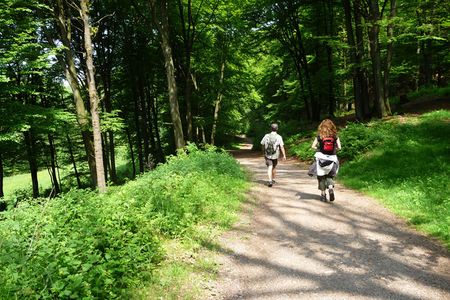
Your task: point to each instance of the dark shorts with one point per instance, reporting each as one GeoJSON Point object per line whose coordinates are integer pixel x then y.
{"type": "Point", "coordinates": [271, 162]}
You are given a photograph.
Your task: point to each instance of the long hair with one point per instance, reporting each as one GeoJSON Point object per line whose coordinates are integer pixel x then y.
{"type": "Point", "coordinates": [327, 129]}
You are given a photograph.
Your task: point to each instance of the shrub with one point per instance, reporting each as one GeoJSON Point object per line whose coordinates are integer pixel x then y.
{"type": "Point", "coordinates": [358, 138]}
{"type": "Point", "coordinates": [90, 246]}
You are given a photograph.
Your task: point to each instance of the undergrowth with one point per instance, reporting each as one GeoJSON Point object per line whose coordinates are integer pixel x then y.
{"type": "Point", "coordinates": [89, 246]}
{"type": "Point", "coordinates": [405, 163]}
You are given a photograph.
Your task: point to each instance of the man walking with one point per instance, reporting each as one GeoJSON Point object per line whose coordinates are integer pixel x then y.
{"type": "Point", "coordinates": [273, 144]}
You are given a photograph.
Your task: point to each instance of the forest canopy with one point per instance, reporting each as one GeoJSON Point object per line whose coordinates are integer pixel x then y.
{"type": "Point", "coordinates": [84, 84]}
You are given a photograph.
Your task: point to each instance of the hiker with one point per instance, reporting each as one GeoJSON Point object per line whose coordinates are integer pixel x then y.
{"type": "Point", "coordinates": [273, 144]}
{"type": "Point", "coordinates": [326, 163]}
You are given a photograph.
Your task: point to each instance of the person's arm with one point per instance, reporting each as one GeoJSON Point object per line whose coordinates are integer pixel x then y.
{"type": "Point", "coordinates": [283, 152]}
{"type": "Point", "coordinates": [338, 144]}
{"type": "Point", "coordinates": [282, 148]}
{"type": "Point", "coordinates": [314, 144]}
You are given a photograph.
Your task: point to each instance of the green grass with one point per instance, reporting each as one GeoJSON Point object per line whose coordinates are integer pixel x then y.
{"type": "Point", "coordinates": [20, 185]}
{"type": "Point", "coordinates": [23, 182]}
{"type": "Point", "coordinates": [120, 245]}
{"type": "Point", "coordinates": [430, 93]}
{"type": "Point", "coordinates": [407, 168]}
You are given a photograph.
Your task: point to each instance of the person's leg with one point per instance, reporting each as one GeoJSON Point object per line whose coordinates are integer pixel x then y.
{"type": "Point", "coordinates": [270, 172]}
{"type": "Point", "coordinates": [322, 187]}
{"type": "Point", "coordinates": [274, 169]}
{"type": "Point", "coordinates": [269, 164]}
{"type": "Point", "coordinates": [330, 185]}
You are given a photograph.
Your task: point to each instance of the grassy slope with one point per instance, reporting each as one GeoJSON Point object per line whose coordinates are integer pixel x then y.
{"type": "Point", "coordinates": [408, 170]}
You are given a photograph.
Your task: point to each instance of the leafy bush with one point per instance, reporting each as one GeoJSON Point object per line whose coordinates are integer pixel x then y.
{"type": "Point", "coordinates": [85, 245]}
{"type": "Point", "coordinates": [358, 138]}
{"type": "Point", "coordinates": [300, 145]}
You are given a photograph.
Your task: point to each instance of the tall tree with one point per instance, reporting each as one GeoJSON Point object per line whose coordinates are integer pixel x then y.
{"type": "Point", "coordinates": [161, 18]}
{"type": "Point", "coordinates": [64, 25]}
{"type": "Point", "coordinates": [374, 16]}
{"type": "Point", "coordinates": [93, 97]}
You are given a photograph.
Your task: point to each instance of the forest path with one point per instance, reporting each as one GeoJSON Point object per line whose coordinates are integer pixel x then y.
{"type": "Point", "coordinates": [290, 245]}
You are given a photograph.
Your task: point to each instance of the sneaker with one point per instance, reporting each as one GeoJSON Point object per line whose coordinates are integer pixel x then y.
{"type": "Point", "coordinates": [323, 198]}
{"type": "Point", "coordinates": [270, 184]}
{"type": "Point", "coordinates": [273, 181]}
{"type": "Point", "coordinates": [331, 194]}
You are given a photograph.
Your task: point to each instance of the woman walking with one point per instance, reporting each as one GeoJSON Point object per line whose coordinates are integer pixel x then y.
{"type": "Point", "coordinates": [327, 165]}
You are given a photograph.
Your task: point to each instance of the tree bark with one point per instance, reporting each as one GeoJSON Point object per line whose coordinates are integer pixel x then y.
{"type": "Point", "coordinates": [315, 107]}
{"type": "Point", "coordinates": [31, 154]}
{"type": "Point", "coordinates": [105, 152]}
{"type": "Point", "coordinates": [217, 102]}
{"type": "Point", "coordinates": [93, 97]}
{"type": "Point", "coordinates": [157, 134]}
{"type": "Point", "coordinates": [329, 50]}
{"type": "Point", "coordinates": [137, 124]}
{"type": "Point", "coordinates": [389, 54]}
{"type": "Point", "coordinates": [163, 27]}
{"type": "Point", "coordinates": [130, 144]}
{"type": "Point", "coordinates": [64, 26]}
{"type": "Point", "coordinates": [374, 17]}
{"type": "Point", "coordinates": [53, 165]}
{"type": "Point", "coordinates": [352, 45]}
{"type": "Point", "coordinates": [145, 122]}
{"type": "Point", "coordinates": [106, 78]}
{"type": "Point", "coordinates": [72, 158]}
{"type": "Point", "coordinates": [361, 72]}
{"type": "Point", "coordinates": [188, 40]}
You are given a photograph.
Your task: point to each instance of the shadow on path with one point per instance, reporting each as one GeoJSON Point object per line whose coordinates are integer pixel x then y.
{"type": "Point", "coordinates": [290, 245]}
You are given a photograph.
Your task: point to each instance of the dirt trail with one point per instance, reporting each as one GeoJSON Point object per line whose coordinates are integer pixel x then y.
{"type": "Point", "coordinates": [290, 245]}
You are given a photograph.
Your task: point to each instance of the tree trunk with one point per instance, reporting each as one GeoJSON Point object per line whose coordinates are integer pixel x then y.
{"type": "Point", "coordinates": [163, 28]}
{"type": "Point", "coordinates": [31, 154]}
{"type": "Point", "coordinates": [389, 54]}
{"type": "Point", "coordinates": [359, 111]}
{"type": "Point", "coordinates": [427, 59]}
{"type": "Point", "coordinates": [93, 97]}
{"type": "Point", "coordinates": [361, 72]}
{"type": "Point", "coordinates": [105, 148]}
{"type": "Point", "coordinates": [109, 135]}
{"type": "Point", "coordinates": [53, 165]}
{"type": "Point", "coordinates": [130, 144]}
{"type": "Point", "coordinates": [315, 107]}
{"type": "Point", "coordinates": [63, 23]}
{"type": "Point", "coordinates": [144, 122]}
{"type": "Point", "coordinates": [151, 132]}
{"type": "Point", "coordinates": [1, 176]}
{"type": "Point", "coordinates": [330, 32]}
{"type": "Point", "coordinates": [137, 124]}
{"type": "Point", "coordinates": [217, 103]}
{"type": "Point", "coordinates": [188, 40]}
{"type": "Point", "coordinates": [72, 158]}
{"type": "Point", "coordinates": [374, 31]}
{"type": "Point", "coordinates": [157, 134]}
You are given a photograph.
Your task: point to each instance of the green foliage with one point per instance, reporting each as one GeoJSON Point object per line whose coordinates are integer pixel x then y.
{"type": "Point", "coordinates": [358, 138]}
{"type": "Point", "coordinates": [90, 246]}
{"type": "Point", "coordinates": [408, 169]}
{"type": "Point", "coordinates": [300, 145]}
{"type": "Point", "coordinates": [430, 92]}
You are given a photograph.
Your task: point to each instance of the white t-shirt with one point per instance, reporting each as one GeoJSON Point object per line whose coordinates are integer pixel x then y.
{"type": "Point", "coordinates": [278, 143]}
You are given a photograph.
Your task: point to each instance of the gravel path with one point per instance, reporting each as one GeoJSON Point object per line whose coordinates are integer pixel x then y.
{"type": "Point", "coordinates": [290, 245]}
